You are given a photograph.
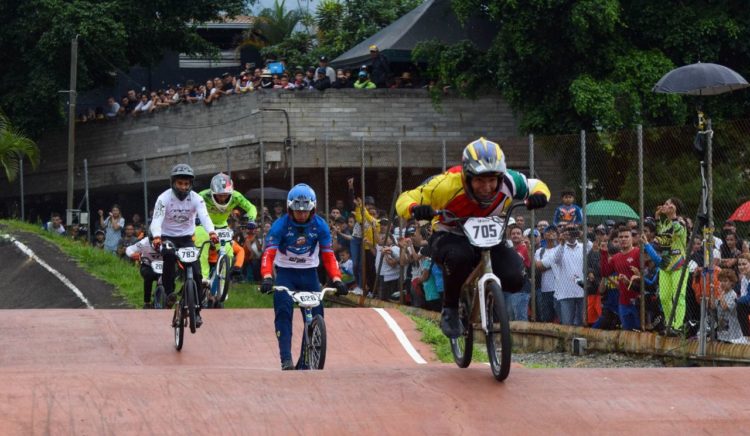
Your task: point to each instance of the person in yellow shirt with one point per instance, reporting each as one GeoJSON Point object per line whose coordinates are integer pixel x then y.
{"type": "Point", "coordinates": [209, 258]}
{"type": "Point", "coordinates": [370, 232]}
{"type": "Point", "coordinates": [481, 186]}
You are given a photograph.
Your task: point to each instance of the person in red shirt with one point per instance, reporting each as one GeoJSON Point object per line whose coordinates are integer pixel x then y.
{"type": "Point", "coordinates": [622, 264]}
{"type": "Point", "coordinates": [519, 301]}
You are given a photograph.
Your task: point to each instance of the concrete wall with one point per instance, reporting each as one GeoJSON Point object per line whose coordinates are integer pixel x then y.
{"type": "Point", "coordinates": [235, 125]}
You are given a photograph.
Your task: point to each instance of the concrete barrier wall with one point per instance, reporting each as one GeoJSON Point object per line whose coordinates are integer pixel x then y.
{"type": "Point", "coordinates": [235, 125]}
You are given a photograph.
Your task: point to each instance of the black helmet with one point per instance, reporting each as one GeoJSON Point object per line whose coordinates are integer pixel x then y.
{"type": "Point", "coordinates": [181, 171]}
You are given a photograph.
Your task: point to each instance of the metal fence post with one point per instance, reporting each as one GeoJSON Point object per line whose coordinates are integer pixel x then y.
{"type": "Point", "coordinates": [362, 260]}
{"type": "Point", "coordinates": [190, 158]}
{"type": "Point", "coordinates": [229, 164]}
{"type": "Point", "coordinates": [86, 189]}
{"type": "Point", "coordinates": [708, 246]}
{"type": "Point", "coordinates": [399, 184]}
{"type": "Point", "coordinates": [325, 177]}
{"type": "Point", "coordinates": [584, 185]}
{"type": "Point", "coordinates": [20, 179]}
{"type": "Point", "coordinates": [532, 239]}
{"type": "Point", "coordinates": [641, 208]}
{"type": "Point", "coordinates": [291, 146]}
{"type": "Point", "coordinates": [444, 156]}
{"type": "Point", "coordinates": [262, 170]}
{"type": "Point", "coordinates": [145, 190]}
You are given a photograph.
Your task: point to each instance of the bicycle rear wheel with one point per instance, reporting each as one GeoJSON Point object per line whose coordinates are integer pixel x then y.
{"type": "Point", "coordinates": [178, 323]}
{"type": "Point", "coordinates": [190, 294]}
{"type": "Point", "coordinates": [463, 346]}
{"type": "Point", "coordinates": [222, 275]}
{"type": "Point", "coordinates": [316, 347]}
{"type": "Point", "coordinates": [499, 341]}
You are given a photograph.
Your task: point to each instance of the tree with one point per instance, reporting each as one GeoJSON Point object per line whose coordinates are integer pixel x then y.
{"type": "Point", "coordinates": [113, 34]}
{"type": "Point", "coordinates": [572, 64]}
{"type": "Point", "coordinates": [341, 24]}
{"type": "Point", "coordinates": [15, 146]}
{"type": "Point", "coordinates": [272, 25]}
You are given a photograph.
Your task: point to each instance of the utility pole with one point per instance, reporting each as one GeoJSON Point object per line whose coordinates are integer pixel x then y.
{"type": "Point", "coordinates": [72, 117]}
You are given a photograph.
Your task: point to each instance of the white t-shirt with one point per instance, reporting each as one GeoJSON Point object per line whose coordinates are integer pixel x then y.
{"type": "Point", "coordinates": [175, 217]}
{"type": "Point", "coordinates": [148, 254]}
{"type": "Point", "coordinates": [548, 276]}
{"type": "Point", "coordinates": [389, 273]}
{"type": "Point", "coordinates": [60, 230]}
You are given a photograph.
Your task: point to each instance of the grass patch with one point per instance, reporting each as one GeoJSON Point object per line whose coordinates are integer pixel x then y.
{"type": "Point", "coordinates": [123, 274]}
{"type": "Point", "coordinates": [245, 295]}
{"type": "Point", "coordinates": [431, 334]}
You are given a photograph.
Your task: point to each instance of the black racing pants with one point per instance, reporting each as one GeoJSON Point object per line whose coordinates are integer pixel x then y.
{"type": "Point", "coordinates": [149, 278]}
{"type": "Point", "coordinates": [458, 258]}
{"type": "Point", "coordinates": [170, 260]}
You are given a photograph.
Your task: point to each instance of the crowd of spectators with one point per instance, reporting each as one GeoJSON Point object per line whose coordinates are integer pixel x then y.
{"type": "Point", "coordinates": [376, 256]}
{"type": "Point", "coordinates": [274, 75]}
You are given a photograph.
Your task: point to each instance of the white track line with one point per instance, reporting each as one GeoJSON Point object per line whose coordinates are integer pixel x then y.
{"type": "Point", "coordinates": [401, 336]}
{"type": "Point", "coordinates": [29, 252]}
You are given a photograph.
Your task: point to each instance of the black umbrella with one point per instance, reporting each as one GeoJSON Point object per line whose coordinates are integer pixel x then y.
{"type": "Point", "coordinates": [268, 193]}
{"type": "Point", "coordinates": [700, 79]}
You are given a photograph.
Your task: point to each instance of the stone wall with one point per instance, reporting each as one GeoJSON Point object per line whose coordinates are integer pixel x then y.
{"type": "Point", "coordinates": [228, 134]}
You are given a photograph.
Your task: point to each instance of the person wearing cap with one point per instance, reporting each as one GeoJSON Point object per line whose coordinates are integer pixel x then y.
{"type": "Point", "coordinates": [322, 82]}
{"type": "Point", "coordinates": [406, 82]}
{"type": "Point", "coordinates": [98, 241]}
{"type": "Point", "coordinates": [330, 72]}
{"type": "Point", "coordinates": [363, 81]}
{"type": "Point", "coordinates": [379, 66]}
{"type": "Point", "coordinates": [266, 79]}
{"type": "Point", "coordinates": [245, 84]}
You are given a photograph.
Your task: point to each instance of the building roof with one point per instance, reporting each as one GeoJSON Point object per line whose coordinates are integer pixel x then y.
{"type": "Point", "coordinates": [236, 22]}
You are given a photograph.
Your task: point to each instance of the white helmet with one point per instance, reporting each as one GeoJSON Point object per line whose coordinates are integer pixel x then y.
{"type": "Point", "coordinates": [221, 184]}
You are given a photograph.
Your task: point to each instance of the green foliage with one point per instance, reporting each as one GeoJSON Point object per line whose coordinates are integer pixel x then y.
{"type": "Point", "coordinates": [341, 24]}
{"type": "Point", "coordinates": [15, 146]}
{"type": "Point", "coordinates": [272, 25]}
{"type": "Point", "coordinates": [460, 66]}
{"type": "Point", "coordinates": [583, 64]}
{"type": "Point", "coordinates": [35, 46]}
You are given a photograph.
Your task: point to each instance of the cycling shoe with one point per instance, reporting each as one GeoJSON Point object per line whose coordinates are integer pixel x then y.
{"type": "Point", "coordinates": [450, 324]}
{"type": "Point", "coordinates": [198, 320]}
{"type": "Point", "coordinates": [171, 300]}
{"type": "Point", "coordinates": [287, 365]}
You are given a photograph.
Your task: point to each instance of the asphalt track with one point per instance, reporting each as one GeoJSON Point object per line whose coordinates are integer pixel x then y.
{"type": "Point", "coordinates": [98, 372]}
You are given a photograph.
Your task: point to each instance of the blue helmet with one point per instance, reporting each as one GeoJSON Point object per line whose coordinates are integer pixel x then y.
{"type": "Point", "coordinates": [301, 197]}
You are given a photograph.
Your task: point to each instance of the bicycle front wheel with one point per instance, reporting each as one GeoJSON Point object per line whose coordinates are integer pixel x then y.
{"type": "Point", "coordinates": [178, 323]}
{"type": "Point", "coordinates": [499, 341]}
{"type": "Point", "coordinates": [316, 346]}
{"type": "Point", "coordinates": [190, 293]}
{"type": "Point", "coordinates": [463, 346]}
{"type": "Point", "coordinates": [222, 276]}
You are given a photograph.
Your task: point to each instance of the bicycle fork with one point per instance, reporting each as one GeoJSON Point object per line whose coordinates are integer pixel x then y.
{"type": "Point", "coordinates": [487, 276]}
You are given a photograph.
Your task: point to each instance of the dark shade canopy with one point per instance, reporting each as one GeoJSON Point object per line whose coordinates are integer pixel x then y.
{"type": "Point", "coordinates": [269, 193]}
{"type": "Point", "coordinates": [700, 79]}
{"type": "Point", "coordinates": [433, 19]}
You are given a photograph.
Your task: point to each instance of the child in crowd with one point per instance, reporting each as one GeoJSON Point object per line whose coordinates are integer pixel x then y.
{"type": "Point", "coordinates": [568, 211]}
{"type": "Point", "coordinates": [347, 269]}
{"type": "Point", "coordinates": [99, 239]}
{"type": "Point", "coordinates": [726, 308]}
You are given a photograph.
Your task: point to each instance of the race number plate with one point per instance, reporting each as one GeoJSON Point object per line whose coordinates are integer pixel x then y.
{"type": "Point", "coordinates": [484, 232]}
{"type": "Point", "coordinates": [188, 254]}
{"type": "Point", "coordinates": [225, 235]}
{"type": "Point", "coordinates": [307, 299]}
{"type": "Point", "coordinates": [157, 266]}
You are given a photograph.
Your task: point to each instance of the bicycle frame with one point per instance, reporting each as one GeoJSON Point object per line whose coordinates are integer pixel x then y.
{"type": "Point", "coordinates": [485, 268]}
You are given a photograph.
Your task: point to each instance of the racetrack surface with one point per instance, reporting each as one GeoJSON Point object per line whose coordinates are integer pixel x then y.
{"type": "Point", "coordinates": [25, 284]}
{"type": "Point", "coordinates": [116, 372]}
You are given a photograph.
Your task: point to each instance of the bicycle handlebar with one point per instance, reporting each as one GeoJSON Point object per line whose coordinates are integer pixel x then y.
{"type": "Point", "coordinates": [450, 217]}
{"type": "Point", "coordinates": [322, 292]}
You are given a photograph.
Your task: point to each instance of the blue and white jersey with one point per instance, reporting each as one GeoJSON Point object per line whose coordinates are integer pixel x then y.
{"type": "Point", "coordinates": [299, 245]}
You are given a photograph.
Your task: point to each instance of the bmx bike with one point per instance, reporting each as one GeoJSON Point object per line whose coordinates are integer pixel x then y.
{"type": "Point", "coordinates": [185, 310]}
{"type": "Point", "coordinates": [481, 302]}
{"type": "Point", "coordinates": [314, 330]}
{"type": "Point", "coordinates": [219, 279]}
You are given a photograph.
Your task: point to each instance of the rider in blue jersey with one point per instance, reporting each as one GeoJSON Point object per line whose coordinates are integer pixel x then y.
{"type": "Point", "coordinates": [294, 246]}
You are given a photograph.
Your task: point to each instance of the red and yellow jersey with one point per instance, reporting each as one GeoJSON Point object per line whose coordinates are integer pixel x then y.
{"type": "Point", "coordinates": [446, 192]}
